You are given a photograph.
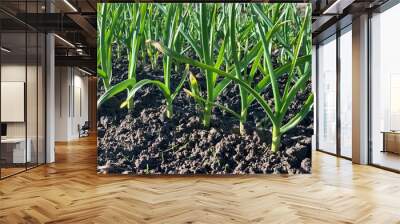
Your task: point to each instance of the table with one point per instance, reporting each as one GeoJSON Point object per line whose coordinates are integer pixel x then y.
{"type": "Point", "coordinates": [13, 150]}
{"type": "Point", "coordinates": [391, 141]}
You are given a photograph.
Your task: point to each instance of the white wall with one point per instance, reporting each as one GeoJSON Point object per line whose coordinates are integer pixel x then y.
{"type": "Point", "coordinates": [70, 83]}
{"type": "Point", "coordinates": [80, 88]}
{"type": "Point", "coordinates": [61, 103]}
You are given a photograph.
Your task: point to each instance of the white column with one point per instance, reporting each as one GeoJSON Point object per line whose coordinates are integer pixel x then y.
{"type": "Point", "coordinates": [360, 90]}
{"type": "Point", "coordinates": [314, 89]}
{"type": "Point", "coordinates": [50, 100]}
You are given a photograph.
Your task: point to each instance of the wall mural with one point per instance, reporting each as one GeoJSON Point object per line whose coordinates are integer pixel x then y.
{"type": "Point", "coordinates": [204, 88]}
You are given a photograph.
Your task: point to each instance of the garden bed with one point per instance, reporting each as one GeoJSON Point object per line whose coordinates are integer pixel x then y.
{"type": "Point", "coordinates": [144, 141]}
{"type": "Point", "coordinates": [204, 88]}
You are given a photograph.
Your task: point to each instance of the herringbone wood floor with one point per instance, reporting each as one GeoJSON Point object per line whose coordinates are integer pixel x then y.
{"type": "Point", "coordinates": [70, 191]}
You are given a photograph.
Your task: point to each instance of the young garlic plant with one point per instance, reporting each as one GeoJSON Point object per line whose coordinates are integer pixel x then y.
{"type": "Point", "coordinates": [131, 19]}
{"type": "Point", "coordinates": [153, 33]}
{"type": "Point", "coordinates": [283, 101]}
{"type": "Point", "coordinates": [134, 40]}
{"type": "Point", "coordinates": [202, 39]}
{"type": "Point", "coordinates": [241, 69]}
{"type": "Point", "coordinates": [107, 20]}
{"type": "Point", "coordinates": [241, 45]}
{"type": "Point", "coordinates": [211, 45]}
{"type": "Point", "coordinates": [298, 69]}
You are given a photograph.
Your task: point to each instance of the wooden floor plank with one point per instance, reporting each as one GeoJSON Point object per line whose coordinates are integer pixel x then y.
{"type": "Point", "coordinates": [70, 191]}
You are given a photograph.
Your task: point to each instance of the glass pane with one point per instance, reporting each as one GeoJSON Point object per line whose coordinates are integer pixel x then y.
{"type": "Point", "coordinates": [32, 96]}
{"type": "Point", "coordinates": [13, 86]}
{"type": "Point", "coordinates": [23, 87]}
{"type": "Point", "coordinates": [41, 99]}
{"type": "Point", "coordinates": [346, 93]}
{"type": "Point", "coordinates": [32, 86]}
{"type": "Point", "coordinates": [327, 95]}
{"type": "Point", "coordinates": [385, 84]}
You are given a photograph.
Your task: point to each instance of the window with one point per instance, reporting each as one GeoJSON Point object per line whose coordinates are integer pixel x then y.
{"type": "Point", "coordinates": [385, 89]}
{"type": "Point", "coordinates": [346, 92]}
{"type": "Point", "coordinates": [326, 73]}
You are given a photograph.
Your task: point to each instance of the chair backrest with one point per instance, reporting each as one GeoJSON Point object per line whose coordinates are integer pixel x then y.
{"type": "Point", "coordinates": [86, 125]}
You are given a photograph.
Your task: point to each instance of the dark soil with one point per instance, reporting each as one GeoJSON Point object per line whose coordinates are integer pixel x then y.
{"type": "Point", "coordinates": [144, 141]}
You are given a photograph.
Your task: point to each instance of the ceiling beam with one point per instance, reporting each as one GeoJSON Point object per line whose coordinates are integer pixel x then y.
{"type": "Point", "coordinates": [337, 7]}
{"type": "Point", "coordinates": [321, 22]}
{"type": "Point", "coordinates": [86, 26]}
{"type": "Point", "coordinates": [80, 61]}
